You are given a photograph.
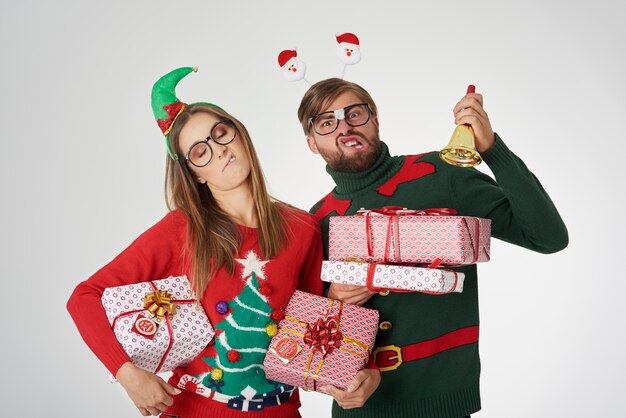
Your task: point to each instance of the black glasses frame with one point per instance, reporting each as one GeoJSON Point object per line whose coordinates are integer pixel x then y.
{"type": "Point", "coordinates": [210, 137]}
{"type": "Point", "coordinates": [340, 112]}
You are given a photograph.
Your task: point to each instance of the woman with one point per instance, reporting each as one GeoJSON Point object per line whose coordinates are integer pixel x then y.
{"type": "Point", "coordinates": [223, 230]}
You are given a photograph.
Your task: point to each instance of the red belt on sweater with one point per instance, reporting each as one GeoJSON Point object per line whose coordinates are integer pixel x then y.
{"type": "Point", "coordinates": [390, 357]}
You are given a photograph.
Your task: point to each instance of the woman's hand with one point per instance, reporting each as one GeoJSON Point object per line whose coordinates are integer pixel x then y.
{"type": "Point", "coordinates": [150, 394]}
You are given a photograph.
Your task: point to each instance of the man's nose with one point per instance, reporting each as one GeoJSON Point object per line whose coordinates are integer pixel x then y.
{"type": "Point", "coordinates": [344, 128]}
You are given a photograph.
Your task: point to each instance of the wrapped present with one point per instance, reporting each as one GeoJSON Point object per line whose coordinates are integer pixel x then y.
{"type": "Point", "coordinates": [380, 277]}
{"type": "Point", "coordinates": [158, 323]}
{"type": "Point", "coordinates": [320, 342]}
{"type": "Point", "coordinates": [408, 236]}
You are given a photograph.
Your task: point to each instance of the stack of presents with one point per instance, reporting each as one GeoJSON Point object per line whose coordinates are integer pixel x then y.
{"type": "Point", "coordinates": [319, 341]}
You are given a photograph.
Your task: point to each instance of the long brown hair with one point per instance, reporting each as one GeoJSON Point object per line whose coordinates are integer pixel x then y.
{"type": "Point", "coordinates": [322, 93]}
{"type": "Point", "coordinates": [213, 238]}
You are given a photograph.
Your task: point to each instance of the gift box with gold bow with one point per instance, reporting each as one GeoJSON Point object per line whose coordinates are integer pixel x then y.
{"type": "Point", "coordinates": [158, 323]}
{"type": "Point", "coordinates": [320, 342]}
{"type": "Point", "coordinates": [398, 235]}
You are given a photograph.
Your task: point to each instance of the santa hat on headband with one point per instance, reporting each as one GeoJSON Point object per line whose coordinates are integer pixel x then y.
{"type": "Point", "coordinates": [293, 68]}
{"type": "Point", "coordinates": [286, 56]}
{"type": "Point", "coordinates": [347, 38]}
{"type": "Point", "coordinates": [349, 50]}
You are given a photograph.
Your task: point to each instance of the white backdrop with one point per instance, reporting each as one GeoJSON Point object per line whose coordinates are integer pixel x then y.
{"type": "Point", "coordinates": [82, 165]}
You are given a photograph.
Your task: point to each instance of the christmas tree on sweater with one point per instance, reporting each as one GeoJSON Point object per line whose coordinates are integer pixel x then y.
{"type": "Point", "coordinates": [242, 338]}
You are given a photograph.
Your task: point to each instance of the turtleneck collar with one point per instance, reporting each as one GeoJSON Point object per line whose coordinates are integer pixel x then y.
{"type": "Point", "coordinates": [382, 170]}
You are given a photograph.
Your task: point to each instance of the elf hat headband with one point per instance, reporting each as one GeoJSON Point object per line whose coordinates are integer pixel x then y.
{"type": "Point", "coordinates": [166, 106]}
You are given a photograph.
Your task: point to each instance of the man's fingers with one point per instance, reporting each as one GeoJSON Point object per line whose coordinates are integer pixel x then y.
{"type": "Point", "coordinates": [356, 381]}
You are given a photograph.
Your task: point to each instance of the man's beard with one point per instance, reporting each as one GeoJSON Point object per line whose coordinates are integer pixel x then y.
{"type": "Point", "coordinates": [358, 162]}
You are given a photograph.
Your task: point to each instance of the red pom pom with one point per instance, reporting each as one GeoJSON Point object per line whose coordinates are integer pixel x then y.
{"type": "Point", "coordinates": [277, 315]}
{"type": "Point", "coordinates": [265, 289]}
{"type": "Point", "coordinates": [233, 356]}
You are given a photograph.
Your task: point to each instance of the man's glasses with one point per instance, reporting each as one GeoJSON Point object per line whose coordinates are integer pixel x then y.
{"type": "Point", "coordinates": [201, 153]}
{"type": "Point", "coordinates": [354, 115]}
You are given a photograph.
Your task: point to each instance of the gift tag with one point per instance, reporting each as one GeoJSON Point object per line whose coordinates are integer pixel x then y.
{"type": "Point", "coordinates": [146, 327]}
{"type": "Point", "coordinates": [286, 349]}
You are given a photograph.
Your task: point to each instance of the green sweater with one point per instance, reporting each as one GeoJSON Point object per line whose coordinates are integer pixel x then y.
{"type": "Point", "coordinates": [443, 383]}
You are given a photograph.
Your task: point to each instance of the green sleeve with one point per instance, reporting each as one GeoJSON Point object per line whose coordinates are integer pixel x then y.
{"type": "Point", "coordinates": [521, 211]}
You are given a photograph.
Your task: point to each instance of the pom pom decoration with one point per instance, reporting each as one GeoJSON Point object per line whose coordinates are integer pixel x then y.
{"type": "Point", "coordinates": [221, 307]}
{"type": "Point", "coordinates": [348, 50]}
{"type": "Point", "coordinates": [277, 315]}
{"type": "Point", "coordinates": [233, 356]}
{"type": "Point", "coordinates": [271, 329]}
{"type": "Point", "coordinates": [217, 374]}
{"type": "Point", "coordinates": [293, 68]}
{"type": "Point", "coordinates": [265, 289]}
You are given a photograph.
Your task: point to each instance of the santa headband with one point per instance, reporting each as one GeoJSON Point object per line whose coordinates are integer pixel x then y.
{"type": "Point", "coordinates": [348, 52]}
{"type": "Point", "coordinates": [166, 106]}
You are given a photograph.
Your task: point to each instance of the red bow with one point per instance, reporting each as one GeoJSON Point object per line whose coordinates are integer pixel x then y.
{"type": "Point", "coordinates": [323, 336]}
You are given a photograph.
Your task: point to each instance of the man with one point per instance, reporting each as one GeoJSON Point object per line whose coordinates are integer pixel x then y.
{"type": "Point", "coordinates": [427, 346]}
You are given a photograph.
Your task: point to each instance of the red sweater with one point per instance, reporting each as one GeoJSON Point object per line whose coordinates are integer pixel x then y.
{"type": "Point", "coordinates": [157, 254]}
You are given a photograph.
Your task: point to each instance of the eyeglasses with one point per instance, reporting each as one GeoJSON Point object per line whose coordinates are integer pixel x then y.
{"type": "Point", "coordinates": [327, 122]}
{"type": "Point", "coordinates": [201, 153]}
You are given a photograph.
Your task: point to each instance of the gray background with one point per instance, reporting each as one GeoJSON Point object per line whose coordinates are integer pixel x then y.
{"type": "Point", "coordinates": [82, 165]}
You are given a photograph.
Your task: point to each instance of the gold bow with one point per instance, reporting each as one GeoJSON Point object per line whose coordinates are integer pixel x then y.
{"type": "Point", "coordinates": [158, 304]}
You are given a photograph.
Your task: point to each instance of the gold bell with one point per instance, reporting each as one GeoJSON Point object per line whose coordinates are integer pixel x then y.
{"type": "Point", "coordinates": [461, 150]}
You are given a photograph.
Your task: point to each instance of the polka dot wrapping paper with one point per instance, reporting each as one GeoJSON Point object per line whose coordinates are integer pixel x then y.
{"type": "Point", "coordinates": [386, 276]}
{"type": "Point", "coordinates": [173, 340]}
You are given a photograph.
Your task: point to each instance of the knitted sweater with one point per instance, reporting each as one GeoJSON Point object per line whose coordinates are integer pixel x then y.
{"type": "Point", "coordinates": [444, 381]}
{"type": "Point", "coordinates": [238, 311]}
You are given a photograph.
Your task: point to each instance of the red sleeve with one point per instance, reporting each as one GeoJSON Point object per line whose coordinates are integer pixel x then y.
{"type": "Point", "coordinates": [156, 254]}
{"type": "Point", "coordinates": [310, 274]}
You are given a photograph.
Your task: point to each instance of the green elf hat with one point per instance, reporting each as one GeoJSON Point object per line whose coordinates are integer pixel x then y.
{"type": "Point", "coordinates": [166, 106]}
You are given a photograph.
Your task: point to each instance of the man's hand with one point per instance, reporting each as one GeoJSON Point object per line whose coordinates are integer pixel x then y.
{"type": "Point", "coordinates": [356, 295]}
{"type": "Point", "coordinates": [470, 111]}
{"type": "Point", "coordinates": [150, 394]}
{"type": "Point", "coordinates": [361, 388]}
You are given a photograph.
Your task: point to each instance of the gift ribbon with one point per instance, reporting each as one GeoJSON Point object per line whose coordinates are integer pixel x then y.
{"type": "Point", "coordinates": [392, 239]}
{"type": "Point", "coordinates": [319, 337]}
{"type": "Point", "coordinates": [371, 271]}
{"type": "Point", "coordinates": [168, 322]}
{"type": "Point", "coordinates": [158, 303]}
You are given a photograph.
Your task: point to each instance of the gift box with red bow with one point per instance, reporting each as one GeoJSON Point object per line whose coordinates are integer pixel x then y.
{"type": "Point", "coordinates": [158, 323]}
{"type": "Point", "coordinates": [382, 277]}
{"type": "Point", "coordinates": [320, 342]}
{"type": "Point", "coordinates": [396, 235]}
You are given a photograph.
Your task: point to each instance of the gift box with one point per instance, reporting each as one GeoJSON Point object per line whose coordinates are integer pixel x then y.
{"type": "Point", "coordinates": [320, 342]}
{"type": "Point", "coordinates": [408, 236]}
{"type": "Point", "coordinates": [379, 277]}
{"type": "Point", "coordinates": [158, 323]}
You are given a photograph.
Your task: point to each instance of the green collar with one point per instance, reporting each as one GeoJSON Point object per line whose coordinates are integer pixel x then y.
{"type": "Point", "coordinates": [382, 170]}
